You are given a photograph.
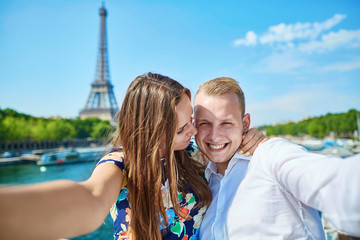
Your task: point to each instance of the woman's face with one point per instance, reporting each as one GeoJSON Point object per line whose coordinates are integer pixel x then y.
{"type": "Point", "coordinates": [185, 126]}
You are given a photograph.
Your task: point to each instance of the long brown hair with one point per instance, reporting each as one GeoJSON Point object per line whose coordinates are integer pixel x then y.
{"type": "Point", "coordinates": [147, 119]}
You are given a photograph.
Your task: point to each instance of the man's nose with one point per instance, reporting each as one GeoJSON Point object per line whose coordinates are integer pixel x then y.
{"type": "Point", "coordinates": [215, 134]}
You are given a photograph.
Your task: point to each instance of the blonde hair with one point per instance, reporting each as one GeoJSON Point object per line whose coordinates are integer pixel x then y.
{"type": "Point", "coordinates": [147, 116]}
{"type": "Point", "coordinates": [221, 86]}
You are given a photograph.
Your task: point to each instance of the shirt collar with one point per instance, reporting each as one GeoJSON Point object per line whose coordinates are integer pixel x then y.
{"type": "Point", "coordinates": [212, 168]}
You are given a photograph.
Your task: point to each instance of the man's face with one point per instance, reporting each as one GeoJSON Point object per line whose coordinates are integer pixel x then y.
{"type": "Point", "coordinates": [220, 125]}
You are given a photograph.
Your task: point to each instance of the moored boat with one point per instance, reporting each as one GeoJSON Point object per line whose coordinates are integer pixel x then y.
{"type": "Point", "coordinates": [71, 156]}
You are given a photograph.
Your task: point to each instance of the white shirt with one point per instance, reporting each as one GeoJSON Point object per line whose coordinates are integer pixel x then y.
{"type": "Point", "coordinates": [274, 196]}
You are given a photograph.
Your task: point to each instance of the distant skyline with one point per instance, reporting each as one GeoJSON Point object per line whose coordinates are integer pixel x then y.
{"type": "Point", "coordinates": [293, 59]}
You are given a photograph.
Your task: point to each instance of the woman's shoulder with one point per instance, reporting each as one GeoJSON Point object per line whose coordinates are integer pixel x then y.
{"type": "Point", "coordinates": [195, 153]}
{"type": "Point", "coordinates": [115, 156]}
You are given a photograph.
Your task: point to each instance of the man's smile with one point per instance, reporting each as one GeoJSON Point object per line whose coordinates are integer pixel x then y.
{"type": "Point", "coordinates": [217, 146]}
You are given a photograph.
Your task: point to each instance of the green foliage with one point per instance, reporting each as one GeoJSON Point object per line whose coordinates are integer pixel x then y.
{"type": "Point", "coordinates": [12, 113]}
{"type": "Point", "coordinates": [342, 124]}
{"type": "Point", "coordinates": [38, 130]}
{"type": "Point", "coordinates": [316, 128]}
{"type": "Point", "coordinates": [16, 126]}
{"type": "Point", "coordinates": [101, 130]}
{"type": "Point", "coordinates": [60, 129]}
{"type": "Point", "coordinates": [84, 127]}
{"type": "Point", "coordinates": [2, 131]}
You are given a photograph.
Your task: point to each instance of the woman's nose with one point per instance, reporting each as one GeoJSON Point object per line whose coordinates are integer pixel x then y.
{"type": "Point", "coordinates": [193, 130]}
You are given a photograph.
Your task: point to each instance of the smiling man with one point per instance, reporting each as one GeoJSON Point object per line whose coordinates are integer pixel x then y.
{"type": "Point", "coordinates": [221, 122]}
{"type": "Point", "coordinates": [279, 193]}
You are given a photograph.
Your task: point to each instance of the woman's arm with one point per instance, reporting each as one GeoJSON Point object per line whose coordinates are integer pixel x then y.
{"type": "Point", "coordinates": [59, 209]}
{"type": "Point", "coordinates": [251, 140]}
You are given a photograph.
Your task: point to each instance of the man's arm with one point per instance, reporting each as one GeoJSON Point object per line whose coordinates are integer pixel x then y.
{"type": "Point", "coordinates": [61, 208]}
{"type": "Point", "coordinates": [329, 184]}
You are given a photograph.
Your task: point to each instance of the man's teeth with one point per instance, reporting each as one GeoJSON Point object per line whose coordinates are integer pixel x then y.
{"type": "Point", "coordinates": [217, 146]}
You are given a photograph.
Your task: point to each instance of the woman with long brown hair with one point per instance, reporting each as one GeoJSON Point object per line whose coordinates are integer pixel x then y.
{"type": "Point", "coordinates": [158, 190]}
{"type": "Point", "coordinates": [162, 179]}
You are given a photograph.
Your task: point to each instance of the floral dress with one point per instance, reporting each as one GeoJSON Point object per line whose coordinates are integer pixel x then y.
{"type": "Point", "coordinates": [178, 227]}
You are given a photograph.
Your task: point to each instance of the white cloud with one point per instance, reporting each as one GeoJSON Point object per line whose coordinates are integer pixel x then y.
{"type": "Point", "coordinates": [342, 67]}
{"type": "Point", "coordinates": [290, 32]}
{"type": "Point", "coordinates": [292, 43]}
{"type": "Point", "coordinates": [286, 33]}
{"type": "Point", "coordinates": [249, 40]}
{"type": "Point", "coordinates": [299, 47]}
{"type": "Point", "coordinates": [333, 40]}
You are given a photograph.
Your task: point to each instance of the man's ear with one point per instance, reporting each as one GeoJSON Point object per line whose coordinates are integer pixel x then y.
{"type": "Point", "coordinates": [246, 122]}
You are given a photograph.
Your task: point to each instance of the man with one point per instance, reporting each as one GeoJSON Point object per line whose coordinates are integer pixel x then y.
{"type": "Point", "coordinates": [278, 195]}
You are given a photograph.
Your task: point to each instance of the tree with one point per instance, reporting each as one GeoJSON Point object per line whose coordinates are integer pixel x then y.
{"type": "Point", "coordinates": [316, 128]}
{"type": "Point", "coordinates": [270, 131]}
{"type": "Point", "coordinates": [101, 130]}
{"type": "Point", "coordinates": [39, 130]}
{"type": "Point", "coordinates": [60, 129]}
{"type": "Point", "coordinates": [84, 127]}
{"type": "Point", "coordinates": [16, 128]}
{"type": "Point", "coordinates": [2, 132]}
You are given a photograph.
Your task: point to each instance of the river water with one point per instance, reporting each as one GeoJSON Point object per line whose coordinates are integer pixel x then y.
{"type": "Point", "coordinates": [31, 173]}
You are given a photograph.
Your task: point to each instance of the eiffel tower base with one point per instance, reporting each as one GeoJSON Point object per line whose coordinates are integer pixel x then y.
{"type": "Point", "coordinates": [103, 114]}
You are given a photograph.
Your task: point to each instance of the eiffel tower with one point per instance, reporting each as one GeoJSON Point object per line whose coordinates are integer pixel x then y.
{"type": "Point", "coordinates": [101, 102]}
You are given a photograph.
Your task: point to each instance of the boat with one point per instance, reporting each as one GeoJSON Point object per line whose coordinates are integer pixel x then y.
{"type": "Point", "coordinates": [336, 151]}
{"type": "Point", "coordinates": [312, 144]}
{"type": "Point", "coordinates": [76, 155]}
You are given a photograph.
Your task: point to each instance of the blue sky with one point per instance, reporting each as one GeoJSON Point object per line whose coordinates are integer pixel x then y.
{"type": "Point", "coordinates": [293, 59]}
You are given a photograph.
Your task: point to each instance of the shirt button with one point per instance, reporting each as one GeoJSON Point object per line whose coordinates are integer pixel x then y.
{"type": "Point", "coordinates": [219, 211]}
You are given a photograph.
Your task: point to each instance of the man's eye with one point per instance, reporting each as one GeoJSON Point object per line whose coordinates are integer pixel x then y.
{"type": "Point", "coordinates": [226, 124]}
{"type": "Point", "coordinates": [180, 131]}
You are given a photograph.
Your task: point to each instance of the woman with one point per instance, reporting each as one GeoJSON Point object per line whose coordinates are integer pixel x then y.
{"type": "Point", "coordinates": [162, 191]}
{"type": "Point", "coordinates": [155, 127]}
